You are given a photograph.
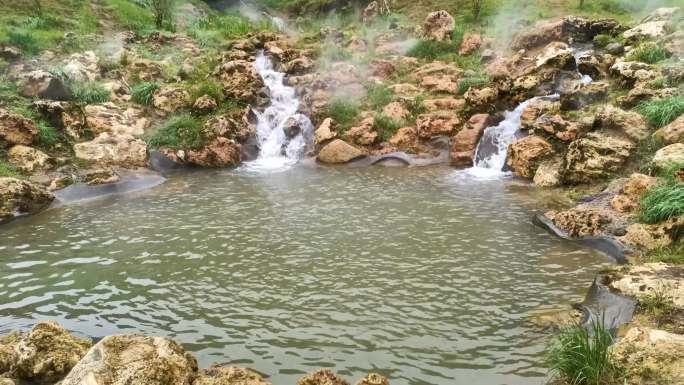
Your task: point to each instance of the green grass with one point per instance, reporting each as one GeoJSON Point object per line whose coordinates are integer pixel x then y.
{"type": "Point", "coordinates": [472, 81]}
{"type": "Point", "coordinates": [142, 92]}
{"type": "Point", "coordinates": [385, 126]}
{"type": "Point", "coordinates": [581, 357]}
{"type": "Point", "coordinates": [673, 254]}
{"type": "Point", "coordinates": [180, 132]}
{"type": "Point", "coordinates": [379, 95]}
{"type": "Point", "coordinates": [662, 202]}
{"type": "Point", "coordinates": [649, 53]}
{"type": "Point", "coordinates": [48, 136]}
{"type": "Point", "coordinates": [433, 50]}
{"type": "Point", "coordinates": [658, 305]}
{"type": "Point", "coordinates": [132, 15]}
{"type": "Point", "coordinates": [343, 111]}
{"type": "Point", "coordinates": [207, 87]}
{"type": "Point", "coordinates": [660, 112]}
{"type": "Point", "coordinates": [8, 170]}
{"type": "Point", "coordinates": [214, 30]}
{"type": "Point", "coordinates": [604, 39]}
{"type": "Point", "coordinates": [89, 92]}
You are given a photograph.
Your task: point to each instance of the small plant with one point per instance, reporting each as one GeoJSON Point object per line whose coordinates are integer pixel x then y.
{"type": "Point", "coordinates": [163, 12]}
{"type": "Point", "coordinates": [649, 53]}
{"type": "Point", "coordinates": [472, 81]}
{"type": "Point", "coordinates": [24, 40]}
{"type": "Point", "coordinates": [379, 95]}
{"type": "Point", "coordinates": [8, 170]}
{"type": "Point", "coordinates": [385, 126]}
{"type": "Point", "coordinates": [673, 254]}
{"type": "Point", "coordinates": [582, 357]}
{"type": "Point", "coordinates": [47, 135]}
{"type": "Point", "coordinates": [343, 112]}
{"type": "Point", "coordinates": [180, 132]}
{"type": "Point", "coordinates": [658, 304]}
{"type": "Point", "coordinates": [660, 112]}
{"type": "Point", "coordinates": [207, 87]}
{"type": "Point", "coordinates": [142, 92]}
{"type": "Point", "coordinates": [89, 92]}
{"type": "Point", "coordinates": [663, 202]}
{"type": "Point", "coordinates": [433, 50]}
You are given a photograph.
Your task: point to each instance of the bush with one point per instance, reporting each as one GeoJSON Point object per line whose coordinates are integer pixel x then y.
{"type": "Point", "coordinates": [385, 126]}
{"type": "Point", "coordinates": [660, 112]}
{"type": "Point", "coordinates": [433, 50]}
{"type": "Point", "coordinates": [47, 135]}
{"type": "Point", "coordinates": [663, 202]}
{"type": "Point", "coordinates": [180, 132]}
{"type": "Point", "coordinates": [89, 92]}
{"type": "Point", "coordinates": [343, 112]}
{"type": "Point", "coordinates": [207, 87]}
{"type": "Point", "coordinates": [142, 93]}
{"type": "Point", "coordinates": [379, 95]}
{"type": "Point", "coordinates": [649, 53]}
{"type": "Point", "coordinates": [473, 81]}
{"type": "Point", "coordinates": [580, 356]}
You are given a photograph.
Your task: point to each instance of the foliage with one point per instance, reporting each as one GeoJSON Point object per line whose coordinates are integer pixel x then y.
{"type": "Point", "coordinates": [163, 13]}
{"type": "Point", "coordinates": [385, 126]}
{"type": "Point", "coordinates": [89, 92]}
{"type": "Point", "coordinates": [433, 50]}
{"type": "Point", "coordinates": [580, 356]}
{"type": "Point", "coordinates": [649, 53]}
{"type": "Point", "coordinates": [673, 254]}
{"type": "Point", "coordinates": [660, 112]}
{"type": "Point", "coordinates": [180, 132]}
{"type": "Point", "coordinates": [207, 87]}
{"type": "Point", "coordinates": [214, 29]}
{"type": "Point", "coordinates": [644, 152]}
{"type": "Point", "coordinates": [25, 41]}
{"type": "Point", "coordinates": [379, 95]}
{"type": "Point", "coordinates": [142, 92]}
{"type": "Point", "coordinates": [663, 202]}
{"type": "Point", "coordinates": [659, 304]}
{"type": "Point", "coordinates": [8, 170]}
{"type": "Point", "coordinates": [132, 15]}
{"type": "Point", "coordinates": [472, 81]}
{"type": "Point", "coordinates": [47, 135]}
{"type": "Point", "coordinates": [343, 111]}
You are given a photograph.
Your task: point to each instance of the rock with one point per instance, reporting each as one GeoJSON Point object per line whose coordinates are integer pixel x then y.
{"type": "Point", "coordinates": [669, 155]}
{"type": "Point", "coordinates": [616, 49]}
{"type": "Point", "coordinates": [627, 201]}
{"type": "Point", "coordinates": [363, 134]}
{"type": "Point", "coordinates": [406, 138]}
{"type": "Point", "coordinates": [524, 155]}
{"type": "Point", "coordinates": [543, 32]}
{"type": "Point", "coordinates": [549, 173]}
{"type": "Point", "coordinates": [338, 151]}
{"type": "Point", "coordinates": [221, 152]}
{"type": "Point", "coordinates": [583, 96]}
{"type": "Point", "coordinates": [228, 127]}
{"type": "Point", "coordinates": [373, 379]}
{"type": "Point", "coordinates": [481, 99]}
{"type": "Point", "coordinates": [240, 79]}
{"type": "Point", "coordinates": [535, 109]}
{"type": "Point", "coordinates": [357, 44]}
{"type": "Point", "coordinates": [449, 103]}
{"type": "Point", "coordinates": [47, 353]}
{"type": "Point", "coordinates": [370, 12]}
{"type": "Point", "coordinates": [98, 176]}
{"type": "Point", "coordinates": [325, 132]}
{"type": "Point", "coordinates": [396, 111]}
{"type": "Point", "coordinates": [439, 84]}
{"type": "Point", "coordinates": [19, 196]}
{"type": "Point", "coordinates": [382, 69]}
{"type": "Point", "coordinates": [631, 123]}
{"type": "Point", "coordinates": [169, 99]}
{"type": "Point", "coordinates": [6, 381]}
{"type": "Point", "coordinates": [8, 356]}
{"type": "Point", "coordinates": [631, 72]}
{"type": "Point", "coordinates": [204, 104]}
{"type": "Point", "coordinates": [648, 30]}
{"type": "Point", "coordinates": [291, 127]}
{"type": "Point", "coordinates": [438, 69]}
{"type": "Point", "coordinates": [108, 117]}
{"type": "Point", "coordinates": [651, 356]}
{"type": "Point", "coordinates": [82, 67]}
{"type": "Point", "coordinates": [42, 84]}
{"type": "Point", "coordinates": [405, 89]}
{"type": "Point", "coordinates": [556, 54]}
{"type": "Point", "coordinates": [581, 221]}
{"type": "Point", "coordinates": [133, 359]}
{"type": "Point", "coordinates": [322, 377]}
{"type": "Point", "coordinates": [471, 43]}
{"type": "Point", "coordinates": [465, 142]}
{"type": "Point", "coordinates": [110, 149]}
{"type": "Point", "coordinates": [596, 66]}
{"type": "Point", "coordinates": [557, 126]}
{"type": "Point", "coordinates": [16, 129]}
{"type": "Point", "coordinates": [146, 70]}
{"type": "Point", "coordinates": [299, 66]}
{"type": "Point", "coordinates": [673, 132]}
{"type": "Point", "coordinates": [641, 236]}
{"type": "Point", "coordinates": [9, 53]}
{"type": "Point", "coordinates": [232, 375]}
{"type": "Point", "coordinates": [438, 26]}
{"type": "Point", "coordinates": [436, 124]}
{"type": "Point", "coordinates": [595, 156]}
{"type": "Point", "coordinates": [67, 116]}
{"type": "Point", "coordinates": [646, 279]}
{"type": "Point", "coordinates": [28, 159]}
{"type": "Point", "coordinates": [641, 92]}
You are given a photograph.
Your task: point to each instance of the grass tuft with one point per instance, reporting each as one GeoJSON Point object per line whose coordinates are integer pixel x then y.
{"type": "Point", "coordinates": [472, 81]}
{"type": "Point", "coordinates": [385, 126]}
{"type": "Point", "coordinates": [663, 202]}
{"type": "Point", "coordinates": [649, 53]}
{"type": "Point", "coordinates": [433, 50]}
{"type": "Point", "coordinates": [673, 254]}
{"type": "Point", "coordinates": [142, 92]}
{"type": "Point", "coordinates": [47, 135]}
{"type": "Point", "coordinates": [207, 87]}
{"type": "Point", "coordinates": [89, 92]}
{"type": "Point", "coordinates": [658, 305]}
{"type": "Point", "coordinates": [8, 170]}
{"type": "Point", "coordinates": [660, 112]}
{"type": "Point", "coordinates": [343, 112]}
{"type": "Point", "coordinates": [180, 132]}
{"type": "Point", "coordinates": [379, 95]}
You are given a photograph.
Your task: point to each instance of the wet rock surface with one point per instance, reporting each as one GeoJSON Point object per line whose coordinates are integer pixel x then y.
{"type": "Point", "coordinates": [19, 196]}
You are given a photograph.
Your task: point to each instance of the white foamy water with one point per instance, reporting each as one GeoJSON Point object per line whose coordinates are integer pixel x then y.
{"type": "Point", "coordinates": [276, 149]}
{"type": "Point", "coordinates": [584, 79]}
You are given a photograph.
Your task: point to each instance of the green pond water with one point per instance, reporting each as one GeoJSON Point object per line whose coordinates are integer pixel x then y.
{"type": "Point", "coordinates": [421, 274]}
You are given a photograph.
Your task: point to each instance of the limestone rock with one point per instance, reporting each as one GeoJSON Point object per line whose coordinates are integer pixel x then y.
{"type": "Point", "coordinates": [644, 279]}
{"type": "Point", "coordinates": [630, 72]}
{"type": "Point", "coordinates": [240, 79]}
{"type": "Point", "coordinates": [133, 359]}
{"type": "Point", "coordinates": [642, 92]}
{"type": "Point", "coordinates": [673, 132]}
{"type": "Point", "coordinates": [300, 65]}
{"type": "Point", "coordinates": [627, 201]}
{"type": "Point", "coordinates": [557, 126]}
{"type": "Point", "coordinates": [357, 44]}
{"type": "Point", "coordinates": [669, 155]}
{"type": "Point", "coordinates": [370, 12]}
{"type": "Point", "coordinates": [82, 67]}
{"type": "Point", "coordinates": [16, 129]}
{"type": "Point", "coordinates": [542, 33]}
{"type": "Point", "coordinates": [651, 237]}
{"type": "Point", "coordinates": [146, 70]}
{"type": "Point", "coordinates": [382, 69]}
{"type": "Point", "coordinates": [338, 151]}
{"type": "Point", "coordinates": [373, 379]}
{"type": "Point", "coordinates": [556, 54]}
{"type": "Point", "coordinates": [582, 220]}
{"type": "Point", "coordinates": [109, 149]}
{"type": "Point", "coordinates": [42, 84]}
{"type": "Point", "coordinates": [595, 156]}
{"type": "Point", "coordinates": [325, 131]}
{"type": "Point", "coordinates": [525, 154]}
{"type": "Point", "coordinates": [228, 127]}
{"type": "Point", "coordinates": [19, 196]}
{"type": "Point", "coordinates": [98, 176]}
{"type": "Point", "coordinates": [438, 26]}
{"type": "Point", "coordinates": [363, 134]}
{"type": "Point", "coordinates": [651, 356]}
{"type": "Point", "coordinates": [437, 123]}
{"type": "Point", "coordinates": [465, 142]}
{"type": "Point", "coordinates": [406, 138]}
{"type": "Point", "coordinates": [232, 375]}
{"type": "Point", "coordinates": [450, 103]}
{"type": "Point", "coordinates": [221, 152]}
{"type": "Point", "coordinates": [583, 96]}
{"type": "Point", "coordinates": [535, 109]}
{"type": "Point", "coordinates": [108, 117]}
{"type": "Point", "coordinates": [633, 124]}
{"type": "Point", "coordinates": [396, 111]}
{"type": "Point", "coordinates": [28, 159]}
{"type": "Point", "coordinates": [204, 105]}
{"type": "Point", "coordinates": [322, 377]}
{"type": "Point", "coordinates": [470, 44]}
{"type": "Point", "coordinates": [444, 84]}
{"type": "Point", "coordinates": [648, 30]}
{"type": "Point", "coordinates": [548, 173]}
{"type": "Point", "coordinates": [481, 99]}
{"type": "Point", "coordinates": [67, 116]}
{"type": "Point", "coordinates": [405, 89]}
{"type": "Point", "coordinates": [167, 100]}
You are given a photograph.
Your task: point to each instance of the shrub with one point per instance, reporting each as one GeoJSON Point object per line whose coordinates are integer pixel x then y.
{"type": "Point", "coordinates": [385, 126]}
{"type": "Point", "coordinates": [649, 53]}
{"type": "Point", "coordinates": [433, 50]}
{"type": "Point", "coordinates": [663, 202]}
{"type": "Point", "coordinates": [47, 135]}
{"type": "Point", "coordinates": [180, 132]}
{"type": "Point", "coordinates": [142, 93]}
{"type": "Point", "coordinates": [24, 40]}
{"type": "Point", "coordinates": [343, 112]}
{"type": "Point", "coordinates": [89, 92]}
{"type": "Point", "coordinates": [207, 87]}
{"type": "Point", "coordinates": [580, 356]}
{"type": "Point", "coordinates": [662, 111]}
{"type": "Point", "coordinates": [465, 83]}
{"type": "Point", "coordinates": [379, 95]}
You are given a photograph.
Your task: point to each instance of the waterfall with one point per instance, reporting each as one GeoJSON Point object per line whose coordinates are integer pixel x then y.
{"type": "Point", "coordinates": [490, 154]}
{"type": "Point", "coordinates": [584, 79]}
{"type": "Point", "coordinates": [283, 134]}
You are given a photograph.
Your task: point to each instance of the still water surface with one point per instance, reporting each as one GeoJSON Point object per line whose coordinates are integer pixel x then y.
{"type": "Point", "coordinates": [420, 274]}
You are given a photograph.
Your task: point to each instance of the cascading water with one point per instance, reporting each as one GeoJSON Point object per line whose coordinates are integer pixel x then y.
{"type": "Point", "coordinates": [283, 134]}
{"type": "Point", "coordinates": [584, 79]}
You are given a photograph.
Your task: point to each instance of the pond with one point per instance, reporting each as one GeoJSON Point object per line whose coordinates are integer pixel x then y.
{"type": "Point", "coordinates": [425, 275]}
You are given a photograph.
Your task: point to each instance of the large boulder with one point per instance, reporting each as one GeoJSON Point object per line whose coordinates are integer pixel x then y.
{"type": "Point", "coordinates": [437, 124]}
{"type": "Point", "coordinates": [669, 155]}
{"type": "Point", "coordinates": [631, 123]}
{"type": "Point", "coordinates": [228, 126]}
{"type": "Point", "coordinates": [221, 152]}
{"type": "Point", "coordinates": [364, 134]}
{"type": "Point", "coordinates": [640, 236]}
{"type": "Point", "coordinates": [556, 125]}
{"type": "Point", "coordinates": [322, 377]}
{"type": "Point", "coordinates": [231, 375]}
{"type": "Point", "coordinates": [524, 155]}
{"type": "Point", "coordinates": [627, 200]}
{"type": "Point", "coordinates": [542, 33]}
{"type": "Point", "coordinates": [649, 278]}
{"type": "Point", "coordinates": [16, 129]}
{"type": "Point", "coordinates": [584, 95]}
{"type": "Point", "coordinates": [556, 54]}
{"type": "Point", "coordinates": [167, 100]}
{"type": "Point", "coordinates": [240, 79]}
{"type": "Point", "coordinates": [339, 151]}
{"type": "Point", "coordinates": [300, 65]}
{"type": "Point", "coordinates": [42, 84]}
{"type": "Point", "coordinates": [582, 220]}
{"type": "Point", "coordinates": [109, 149]}
{"type": "Point", "coordinates": [82, 67]}
{"type": "Point", "coordinates": [595, 156]}
{"type": "Point", "coordinates": [673, 132]}
{"type": "Point", "coordinates": [449, 103]}
{"type": "Point", "coordinates": [482, 99]}
{"type": "Point", "coordinates": [133, 359]}
{"type": "Point", "coordinates": [67, 116]}
{"type": "Point", "coordinates": [438, 26]}
{"type": "Point", "coordinates": [465, 142]}
{"type": "Point", "coordinates": [108, 117]}
{"type": "Point", "coordinates": [28, 159]}
{"type": "Point", "coordinates": [406, 138]}
{"type": "Point", "coordinates": [549, 173]}
{"type": "Point", "coordinates": [631, 72]}
{"type": "Point", "coordinates": [20, 196]}
{"type": "Point", "coordinates": [651, 356]}
{"type": "Point", "coordinates": [325, 131]}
